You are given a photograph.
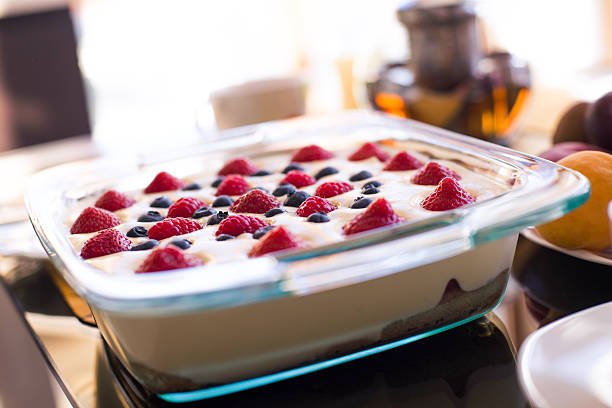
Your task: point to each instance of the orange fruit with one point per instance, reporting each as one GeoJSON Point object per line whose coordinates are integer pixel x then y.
{"type": "Point", "coordinates": [587, 227]}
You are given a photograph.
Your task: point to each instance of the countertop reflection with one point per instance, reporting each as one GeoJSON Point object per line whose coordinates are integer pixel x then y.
{"type": "Point", "coordinates": [469, 366]}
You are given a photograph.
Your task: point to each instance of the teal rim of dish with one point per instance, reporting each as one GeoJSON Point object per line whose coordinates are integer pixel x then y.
{"type": "Point", "coordinates": [226, 389]}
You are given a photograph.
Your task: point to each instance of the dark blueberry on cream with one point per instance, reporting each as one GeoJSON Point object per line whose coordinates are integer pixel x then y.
{"type": "Point", "coordinates": [161, 202]}
{"type": "Point", "coordinates": [225, 237]}
{"type": "Point", "coordinates": [152, 243]}
{"type": "Point", "coordinates": [151, 216]}
{"type": "Point", "coordinates": [370, 190]}
{"type": "Point", "coordinates": [292, 166]}
{"type": "Point", "coordinates": [192, 186]}
{"type": "Point", "coordinates": [181, 243]}
{"type": "Point", "coordinates": [362, 175]}
{"type": "Point", "coordinates": [273, 212]}
{"type": "Point", "coordinates": [217, 218]}
{"type": "Point", "coordinates": [203, 212]}
{"type": "Point", "coordinates": [222, 201]}
{"type": "Point", "coordinates": [318, 217]}
{"type": "Point", "coordinates": [372, 183]}
{"type": "Point", "coordinates": [137, 232]}
{"type": "Point", "coordinates": [326, 171]}
{"type": "Point", "coordinates": [361, 202]}
{"type": "Point", "coordinates": [262, 231]}
{"type": "Point", "coordinates": [216, 183]}
{"type": "Point", "coordinates": [296, 199]}
{"type": "Point", "coordinates": [283, 189]}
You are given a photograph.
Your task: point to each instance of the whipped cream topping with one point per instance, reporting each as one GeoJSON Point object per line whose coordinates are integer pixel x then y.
{"type": "Point", "coordinates": [404, 196]}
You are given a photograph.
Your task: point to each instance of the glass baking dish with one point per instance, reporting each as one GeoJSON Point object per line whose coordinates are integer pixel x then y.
{"type": "Point", "coordinates": [252, 322]}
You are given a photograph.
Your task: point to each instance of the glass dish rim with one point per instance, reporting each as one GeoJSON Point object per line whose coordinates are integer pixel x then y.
{"type": "Point", "coordinates": [271, 277]}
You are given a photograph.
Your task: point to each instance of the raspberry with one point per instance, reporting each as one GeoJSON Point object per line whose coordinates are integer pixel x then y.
{"type": "Point", "coordinates": [311, 153]}
{"type": "Point", "coordinates": [403, 161]}
{"type": "Point", "coordinates": [431, 174]}
{"type": "Point", "coordinates": [240, 165]}
{"type": "Point", "coordinates": [447, 195]}
{"type": "Point", "coordinates": [275, 240]}
{"type": "Point", "coordinates": [315, 205]}
{"type": "Point", "coordinates": [298, 179]}
{"type": "Point", "coordinates": [233, 185]}
{"type": "Point", "coordinates": [333, 188]}
{"type": "Point", "coordinates": [94, 219]}
{"type": "Point", "coordinates": [368, 150]}
{"type": "Point", "coordinates": [106, 242]}
{"type": "Point", "coordinates": [113, 200]}
{"type": "Point", "coordinates": [235, 225]}
{"type": "Point", "coordinates": [185, 207]}
{"type": "Point", "coordinates": [378, 214]}
{"type": "Point", "coordinates": [255, 201]}
{"type": "Point", "coordinates": [168, 258]}
{"type": "Point", "coordinates": [173, 226]}
{"type": "Point", "coordinates": [164, 182]}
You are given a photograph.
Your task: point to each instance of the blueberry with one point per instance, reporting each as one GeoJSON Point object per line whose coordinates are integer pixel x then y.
{"type": "Point", "coordinates": [262, 231]}
{"type": "Point", "coordinates": [273, 212]}
{"type": "Point", "coordinates": [326, 171]}
{"type": "Point", "coordinates": [318, 217]}
{"type": "Point", "coordinates": [152, 243]}
{"type": "Point", "coordinates": [225, 237]}
{"type": "Point", "coordinates": [181, 243]}
{"type": "Point", "coordinates": [362, 175]}
{"type": "Point", "coordinates": [203, 212]}
{"type": "Point", "coordinates": [161, 202]}
{"type": "Point", "coordinates": [361, 202]}
{"type": "Point", "coordinates": [296, 199]}
{"type": "Point", "coordinates": [261, 173]}
{"type": "Point", "coordinates": [370, 190]}
{"type": "Point", "coordinates": [217, 218]}
{"type": "Point", "coordinates": [151, 216]}
{"type": "Point", "coordinates": [372, 183]}
{"type": "Point", "coordinates": [292, 166]}
{"type": "Point", "coordinates": [192, 186]}
{"type": "Point", "coordinates": [217, 182]}
{"type": "Point", "coordinates": [259, 188]}
{"type": "Point", "coordinates": [137, 232]}
{"type": "Point", "coordinates": [284, 189]}
{"type": "Point", "coordinates": [223, 201]}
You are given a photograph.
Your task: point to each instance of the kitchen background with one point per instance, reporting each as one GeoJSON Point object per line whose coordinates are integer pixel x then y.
{"type": "Point", "coordinates": [150, 66]}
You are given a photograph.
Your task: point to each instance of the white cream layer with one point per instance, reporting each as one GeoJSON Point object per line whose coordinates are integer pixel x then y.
{"type": "Point", "coordinates": [404, 196]}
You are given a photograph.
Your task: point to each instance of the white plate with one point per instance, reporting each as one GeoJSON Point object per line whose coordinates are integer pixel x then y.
{"type": "Point", "coordinates": [569, 362]}
{"type": "Point", "coordinates": [603, 257]}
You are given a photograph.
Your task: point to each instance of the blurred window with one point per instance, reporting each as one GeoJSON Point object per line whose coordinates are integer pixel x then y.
{"type": "Point", "coordinates": [152, 64]}
{"type": "Point", "coordinates": [41, 90]}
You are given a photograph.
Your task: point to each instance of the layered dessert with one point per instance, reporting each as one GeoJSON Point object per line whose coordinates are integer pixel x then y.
{"type": "Point", "coordinates": [278, 203]}
{"type": "Point", "coordinates": [273, 205]}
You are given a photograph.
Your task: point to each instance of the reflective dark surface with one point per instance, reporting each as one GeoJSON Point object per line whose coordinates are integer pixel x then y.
{"type": "Point", "coordinates": [556, 284]}
{"type": "Point", "coordinates": [470, 366]}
